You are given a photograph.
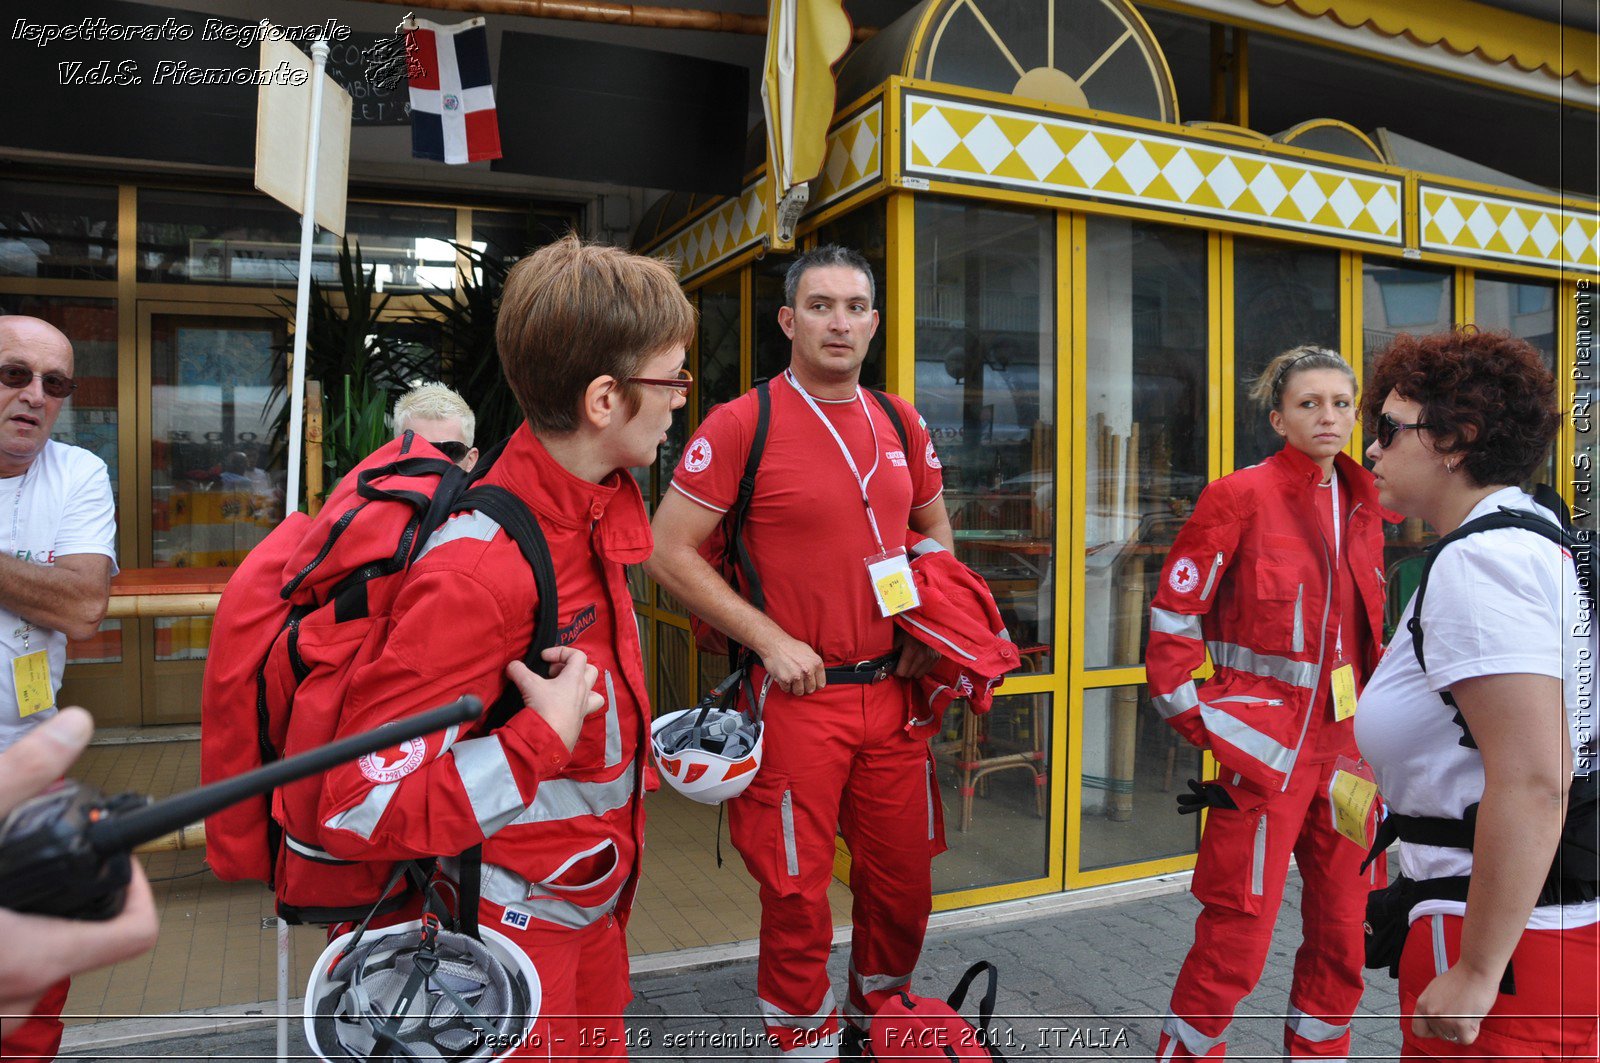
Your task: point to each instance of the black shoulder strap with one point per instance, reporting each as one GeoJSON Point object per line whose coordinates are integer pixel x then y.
{"type": "Point", "coordinates": [507, 510]}
{"type": "Point", "coordinates": [1505, 518]}
{"type": "Point", "coordinates": [894, 416]}
{"type": "Point", "coordinates": [740, 510]}
{"type": "Point", "coordinates": [958, 996]}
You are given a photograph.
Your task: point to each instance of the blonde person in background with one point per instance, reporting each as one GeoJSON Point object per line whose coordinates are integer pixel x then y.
{"type": "Point", "coordinates": [442, 417]}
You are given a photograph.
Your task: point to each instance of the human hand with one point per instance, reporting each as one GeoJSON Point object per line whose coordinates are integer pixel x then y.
{"type": "Point", "coordinates": [567, 698]}
{"type": "Point", "coordinates": [1204, 795]}
{"type": "Point", "coordinates": [1453, 1005]}
{"type": "Point", "coordinates": [42, 950]}
{"type": "Point", "coordinates": [794, 667]}
{"type": "Point", "coordinates": [916, 656]}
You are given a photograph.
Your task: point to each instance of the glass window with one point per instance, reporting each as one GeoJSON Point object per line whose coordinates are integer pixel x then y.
{"type": "Point", "coordinates": [865, 229]}
{"type": "Point", "coordinates": [88, 419]}
{"type": "Point", "coordinates": [1284, 295]}
{"type": "Point", "coordinates": [58, 230]}
{"type": "Point", "coordinates": [1148, 411]}
{"type": "Point", "coordinates": [217, 388]}
{"type": "Point", "coordinates": [718, 378]}
{"type": "Point", "coordinates": [994, 781]}
{"type": "Point", "coordinates": [986, 355]}
{"type": "Point", "coordinates": [1527, 310]}
{"type": "Point", "coordinates": [236, 239]}
{"type": "Point", "coordinates": [511, 234]}
{"type": "Point", "coordinates": [1398, 299]}
{"type": "Point", "coordinates": [771, 345]}
{"type": "Point", "coordinates": [1132, 762]}
{"type": "Point", "coordinates": [673, 647]}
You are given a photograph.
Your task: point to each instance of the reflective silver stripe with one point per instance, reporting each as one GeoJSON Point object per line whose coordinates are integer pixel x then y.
{"type": "Point", "coordinates": [773, 1015]}
{"type": "Point", "coordinates": [876, 983]}
{"type": "Point", "coordinates": [510, 891]}
{"type": "Point", "coordinates": [1311, 1028]}
{"type": "Point", "coordinates": [560, 799]}
{"type": "Point", "coordinates": [613, 727]}
{"type": "Point", "coordinates": [362, 819]}
{"type": "Point", "coordinates": [311, 852]}
{"type": "Point", "coordinates": [927, 546]}
{"type": "Point", "coordinates": [698, 500]}
{"type": "Point", "coordinates": [957, 650]}
{"type": "Point", "coordinates": [1258, 859]}
{"type": "Point", "coordinates": [1211, 580]}
{"type": "Point", "coordinates": [1183, 625]}
{"type": "Point", "coordinates": [1264, 748]}
{"type": "Point", "coordinates": [1244, 659]}
{"type": "Point", "coordinates": [1196, 1042]}
{"type": "Point", "coordinates": [472, 524]}
{"type": "Point", "coordinates": [1179, 701]}
{"type": "Point", "coordinates": [791, 853]}
{"type": "Point", "coordinates": [489, 782]}
{"type": "Point", "coordinates": [1299, 619]}
{"type": "Point", "coordinates": [929, 774]}
{"type": "Point", "coordinates": [1441, 957]}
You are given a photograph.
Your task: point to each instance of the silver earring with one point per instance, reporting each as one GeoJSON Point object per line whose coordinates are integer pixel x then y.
{"type": "Point", "coordinates": [1451, 466]}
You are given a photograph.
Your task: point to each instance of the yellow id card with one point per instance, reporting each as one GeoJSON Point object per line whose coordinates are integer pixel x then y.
{"type": "Point", "coordinates": [30, 677]}
{"type": "Point", "coordinates": [1351, 797]}
{"type": "Point", "coordinates": [1343, 681]}
{"type": "Point", "coordinates": [893, 585]}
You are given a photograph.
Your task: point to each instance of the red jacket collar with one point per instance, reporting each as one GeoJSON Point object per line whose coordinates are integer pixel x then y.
{"type": "Point", "coordinates": [1300, 470]}
{"type": "Point", "coordinates": [613, 507]}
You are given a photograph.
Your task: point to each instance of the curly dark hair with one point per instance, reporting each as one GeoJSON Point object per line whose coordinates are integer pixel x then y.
{"type": "Point", "coordinates": [1489, 386]}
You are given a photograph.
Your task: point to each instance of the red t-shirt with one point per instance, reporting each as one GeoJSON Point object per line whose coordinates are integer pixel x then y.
{"type": "Point", "coordinates": [807, 527]}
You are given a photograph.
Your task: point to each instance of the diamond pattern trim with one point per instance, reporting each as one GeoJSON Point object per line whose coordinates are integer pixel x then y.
{"type": "Point", "coordinates": [1485, 226]}
{"type": "Point", "coordinates": [966, 141]}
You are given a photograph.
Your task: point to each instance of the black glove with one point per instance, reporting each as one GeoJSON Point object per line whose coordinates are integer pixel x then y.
{"type": "Point", "coordinates": [1205, 795]}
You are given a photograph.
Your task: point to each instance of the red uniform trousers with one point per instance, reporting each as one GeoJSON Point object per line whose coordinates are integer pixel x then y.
{"type": "Point", "coordinates": [583, 978]}
{"type": "Point", "coordinates": [1239, 877]}
{"type": "Point", "coordinates": [39, 1038]}
{"type": "Point", "coordinates": [839, 759]}
{"type": "Point", "coordinates": [1551, 1016]}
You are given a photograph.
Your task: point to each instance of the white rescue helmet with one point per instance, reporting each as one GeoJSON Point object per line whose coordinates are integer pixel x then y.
{"type": "Point", "coordinates": [711, 752]}
{"type": "Point", "coordinates": [478, 1003]}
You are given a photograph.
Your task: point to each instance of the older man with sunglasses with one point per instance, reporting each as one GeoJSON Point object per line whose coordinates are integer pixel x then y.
{"type": "Point", "coordinates": [442, 417]}
{"type": "Point", "coordinates": [57, 555]}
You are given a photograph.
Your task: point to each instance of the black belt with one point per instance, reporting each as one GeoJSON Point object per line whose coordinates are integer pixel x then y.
{"type": "Point", "coordinates": [867, 671]}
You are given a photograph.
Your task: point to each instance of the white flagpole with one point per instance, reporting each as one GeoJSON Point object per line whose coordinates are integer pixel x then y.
{"type": "Point", "coordinates": [297, 417]}
{"type": "Point", "coordinates": [308, 228]}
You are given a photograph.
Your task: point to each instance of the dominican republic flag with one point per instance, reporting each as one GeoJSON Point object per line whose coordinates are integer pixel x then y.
{"type": "Point", "coordinates": [452, 100]}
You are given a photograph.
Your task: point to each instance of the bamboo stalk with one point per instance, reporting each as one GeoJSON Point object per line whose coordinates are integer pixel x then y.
{"type": "Point", "coordinates": [313, 446]}
{"type": "Point", "coordinates": [191, 837]}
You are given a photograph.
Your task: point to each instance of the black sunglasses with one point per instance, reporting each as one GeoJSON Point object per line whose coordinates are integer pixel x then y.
{"type": "Point", "coordinates": [1388, 428]}
{"type": "Point", "coordinates": [56, 385]}
{"type": "Point", "coordinates": [453, 450]}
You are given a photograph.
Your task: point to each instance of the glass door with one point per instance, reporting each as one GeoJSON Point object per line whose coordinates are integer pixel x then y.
{"type": "Point", "coordinates": [211, 482]}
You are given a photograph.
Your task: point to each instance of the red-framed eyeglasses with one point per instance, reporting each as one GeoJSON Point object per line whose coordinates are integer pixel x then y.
{"type": "Point", "coordinates": [681, 382]}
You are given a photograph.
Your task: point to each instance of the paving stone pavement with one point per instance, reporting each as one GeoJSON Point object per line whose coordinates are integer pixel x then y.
{"type": "Point", "coordinates": [1091, 983]}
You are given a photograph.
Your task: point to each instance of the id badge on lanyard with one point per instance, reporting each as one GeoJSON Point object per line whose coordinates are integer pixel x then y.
{"type": "Point", "coordinates": [892, 582]}
{"type": "Point", "coordinates": [888, 570]}
{"type": "Point", "coordinates": [30, 678]}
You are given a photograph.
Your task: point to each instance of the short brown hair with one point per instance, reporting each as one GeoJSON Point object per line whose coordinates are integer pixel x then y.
{"type": "Point", "coordinates": [572, 312]}
{"type": "Point", "coordinates": [1489, 382]}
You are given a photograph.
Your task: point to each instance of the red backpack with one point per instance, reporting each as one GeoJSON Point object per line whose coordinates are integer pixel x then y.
{"type": "Point", "coordinates": [304, 611]}
{"type": "Point", "coordinates": [907, 1026]}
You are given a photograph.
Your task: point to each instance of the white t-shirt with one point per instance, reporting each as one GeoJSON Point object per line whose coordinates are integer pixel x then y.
{"type": "Point", "coordinates": [59, 507]}
{"type": "Point", "coordinates": [1499, 602]}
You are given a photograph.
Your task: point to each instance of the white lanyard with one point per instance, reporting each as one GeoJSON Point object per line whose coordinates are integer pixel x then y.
{"type": "Point", "coordinates": [1338, 638]}
{"type": "Point", "coordinates": [16, 543]}
{"type": "Point", "coordinates": [872, 433]}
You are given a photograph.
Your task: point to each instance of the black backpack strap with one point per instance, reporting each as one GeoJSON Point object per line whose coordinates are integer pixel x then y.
{"type": "Point", "coordinates": [958, 996]}
{"type": "Point", "coordinates": [894, 416]}
{"type": "Point", "coordinates": [507, 510]}
{"type": "Point", "coordinates": [733, 521]}
{"type": "Point", "coordinates": [471, 889]}
{"type": "Point", "coordinates": [1504, 518]}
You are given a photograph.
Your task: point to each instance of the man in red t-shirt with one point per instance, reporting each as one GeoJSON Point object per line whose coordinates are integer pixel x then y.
{"type": "Point", "coordinates": [834, 495]}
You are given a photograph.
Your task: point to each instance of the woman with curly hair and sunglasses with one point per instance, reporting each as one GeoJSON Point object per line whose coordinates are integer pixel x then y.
{"type": "Point", "coordinates": [1481, 712]}
{"type": "Point", "coordinates": [1277, 576]}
